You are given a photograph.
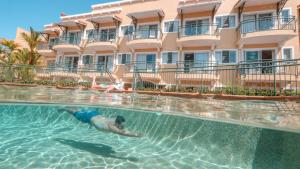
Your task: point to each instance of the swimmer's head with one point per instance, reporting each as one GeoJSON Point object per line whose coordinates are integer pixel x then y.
{"type": "Point", "coordinates": [119, 122]}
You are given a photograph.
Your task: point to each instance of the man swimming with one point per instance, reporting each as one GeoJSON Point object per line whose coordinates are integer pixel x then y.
{"type": "Point", "coordinates": [101, 123]}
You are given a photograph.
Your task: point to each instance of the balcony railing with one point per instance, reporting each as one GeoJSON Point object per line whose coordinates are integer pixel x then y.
{"type": "Point", "coordinates": [265, 67]}
{"type": "Point", "coordinates": [45, 46]}
{"type": "Point", "coordinates": [267, 23]}
{"type": "Point", "coordinates": [144, 66]}
{"type": "Point", "coordinates": [146, 34]}
{"type": "Point", "coordinates": [68, 41]}
{"type": "Point", "coordinates": [198, 30]}
{"type": "Point", "coordinates": [103, 37]}
{"type": "Point", "coordinates": [92, 68]}
{"type": "Point", "coordinates": [195, 66]}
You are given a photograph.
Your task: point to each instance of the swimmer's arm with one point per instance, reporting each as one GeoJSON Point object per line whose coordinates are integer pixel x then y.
{"type": "Point", "coordinates": [71, 111]}
{"type": "Point", "coordinates": [116, 130]}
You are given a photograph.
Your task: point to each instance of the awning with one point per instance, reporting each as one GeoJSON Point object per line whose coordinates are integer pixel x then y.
{"type": "Point", "coordinates": [198, 7]}
{"type": "Point", "coordinates": [247, 3]}
{"type": "Point", "coordinates": [92, 14]}
{"type": "Point", "coordinates": [71, 24]}
{"type": "Point", "coordinates": [105, 19]}
{"type": "Point", "coordinates": [147, 14]}
{"type": "Point", "coordinates": [50, 31]}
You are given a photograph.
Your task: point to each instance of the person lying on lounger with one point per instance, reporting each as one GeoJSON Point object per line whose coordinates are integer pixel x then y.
{"type": "Point", "coordinates": [118, 86]}
{"type": "Point", "coordinates": [100, 122]}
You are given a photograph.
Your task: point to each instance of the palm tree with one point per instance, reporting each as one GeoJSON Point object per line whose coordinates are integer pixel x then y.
{"type": "Point", "coordinates": [33, 40]}
{"type": "Point", "coordinates": [7, 57]}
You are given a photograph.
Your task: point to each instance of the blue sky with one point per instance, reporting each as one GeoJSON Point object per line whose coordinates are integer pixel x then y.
{"type": "Point", "coordinates": [36, 13]}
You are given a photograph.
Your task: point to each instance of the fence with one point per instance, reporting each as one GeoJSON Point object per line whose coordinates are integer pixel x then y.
{"type": "Point", "coordinates": [264, 77]}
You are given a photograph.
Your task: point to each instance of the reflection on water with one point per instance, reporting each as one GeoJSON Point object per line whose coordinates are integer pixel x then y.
{"type": "Point", "coordinates": [267, 114]}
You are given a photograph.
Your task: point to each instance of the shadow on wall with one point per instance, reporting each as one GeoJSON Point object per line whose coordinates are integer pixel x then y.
{"type": "Point", "coordinates": [277, 150]}
{"type": "Point", "coordinates": [97, 149]}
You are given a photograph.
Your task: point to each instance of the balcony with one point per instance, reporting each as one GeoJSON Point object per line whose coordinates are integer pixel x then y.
{"type": "Point", "coordinates": [145, 39]}
{"type": "Point", "coordinates": [46, 49]}
{"type": "Point", "coordinates": [102, 42]}
{"type": "Point", "coordinates": [68, 44]}
{"type": "Point", "coordinates": [198, 35]}
{"type": "Point", "coordinates": [267, 30]}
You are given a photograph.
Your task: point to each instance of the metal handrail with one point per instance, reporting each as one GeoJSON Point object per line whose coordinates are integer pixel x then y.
{"type": "Point", "coordinates": [267, 23]}
{"type": "Point", "coordinates": [198, 30]}
{"type": "Point", "coordinates": [68, 40]}
{"type": "Point", "coordinates": [103, 37]}
{"type": "Point", "coordinates": [146, 34]}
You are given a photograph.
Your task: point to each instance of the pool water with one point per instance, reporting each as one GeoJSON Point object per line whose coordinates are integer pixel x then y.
{"type": "Point", "coordinates": [40, 136]}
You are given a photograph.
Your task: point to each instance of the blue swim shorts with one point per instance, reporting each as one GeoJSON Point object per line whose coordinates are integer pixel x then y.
{"type": "Point", "coordinates": [85, 116]}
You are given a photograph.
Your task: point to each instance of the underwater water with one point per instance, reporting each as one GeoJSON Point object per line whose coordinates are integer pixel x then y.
{"type": "Point", "coordinates": [38, 136]}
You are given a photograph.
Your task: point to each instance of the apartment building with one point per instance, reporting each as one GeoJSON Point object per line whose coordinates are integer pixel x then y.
{"type": "Point", "coordinates": [151, 34]}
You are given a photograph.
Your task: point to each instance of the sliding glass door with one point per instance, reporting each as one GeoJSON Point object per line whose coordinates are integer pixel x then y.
{"type": "Point", "coordinates": [260, 61]}
{"type": "Point", "coordinates": [71, 63]}
{"type": "Point", "coordinates": [105, 63]}
{"type": "Point", "coordinates": [196, 27]}
{"type": "Point", "coordinates": [146, 62]}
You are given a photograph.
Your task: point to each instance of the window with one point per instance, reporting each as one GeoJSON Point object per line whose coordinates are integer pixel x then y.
{"type": "Point", "coordinates": [87, 59]}
{"type": "Point", "coordinates": [90, 34]}
{"type": "Point", "coordinates": [196, 27]}
{"type": "Point", "coordinates": [124, 59]}
{"type": "Point", "coordinates": [108, 34]}
{"type": "Point", "coordinates": [287, 53]}
{"type": "Point", "coordinates": [226, 21]}
{"type": "Point", "coordinates": [226, 56]}
{"type": "Point", "coordinates": [169, 57]}
{"type": "Point", "coordinates": [127, 30]}
{"type": "Point", "coordinates": [285, 15]}
{"type": "Point", "coordinates": [171, 26]}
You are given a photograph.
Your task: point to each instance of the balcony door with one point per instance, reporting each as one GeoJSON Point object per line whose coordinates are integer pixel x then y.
{"type": "Point", "coordinates": [260, 61]}
{"type": "Point", "coordinates": [189, 59]}
{"type": "Point", "coordinates": [74, 38]}
{"type": "Point", "coordinates": [146, 62]}
{"type": "Point", "coordinates": [266, 21]}
{"type": "Point", "coordinates": [71, 63]}
{"type": "Point", "coordinates": [196, 60]}
{"type": "Point", "coordinates": [249, 23]}
{"type": "Point", "coordinates": [105, 63]}
{"type": "Point", "coordinates": [147, 32]}
{"type": "Point", "coordinates": [107, 35]}
{"type": "Point", "coordinates": [196, 27]}
{"type": "Point", "coordinates": [257, 22]}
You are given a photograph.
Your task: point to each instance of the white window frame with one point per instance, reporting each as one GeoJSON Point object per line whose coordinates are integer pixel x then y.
{"type": "Point", "coordinates": [123, 54]}
{"type": "Point", "coordinates": [161, 57]}
{"type": "Point", "coordinates": [221, 50]}
{"type": "Point", "coordinates": [210, 59]}
{"type": "Point", "coordinates": [86, 54]}
{"type": "Point", "coordinates": [196, 19]}
{"type": "Point", "coordinates": [150, 23]}
{"type": "Point", "coordinates": [228, 14]}
{"type": "Point", "coordinates": [121, 34]}
{"type": "Point", "coordinates": [260, 49]}
{"type": "Point", "coordinates": [292, 52]}
{"type": "Point", "coordinates": [174, 20]}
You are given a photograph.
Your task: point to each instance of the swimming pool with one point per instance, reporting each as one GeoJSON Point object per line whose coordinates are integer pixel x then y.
{"type": "Point", "coordinates": [178, 133]}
